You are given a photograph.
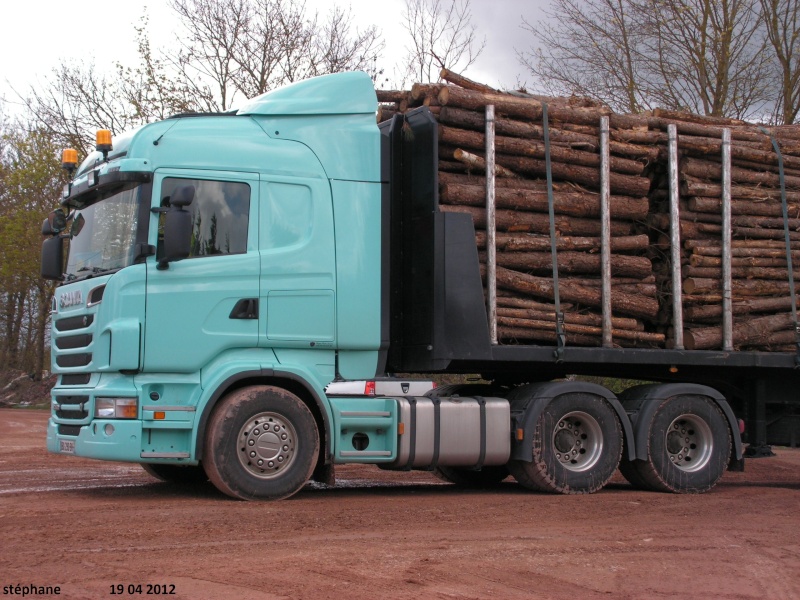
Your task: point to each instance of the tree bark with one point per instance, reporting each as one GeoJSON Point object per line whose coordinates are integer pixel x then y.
{"type": "Point", "coordinates": [691, 186]}
{"type": "Point", "coordinates": [472, 140]}
{"type": "Point", "coordinates": [569, 328]}
{"type": "Point", "coordinates": [701, 312]}
{"type": "Point", "coordinates": [528, 242]}
{"type": "Point", "coordinates": [514, 106]}
{"type": "Point", "coordinates": [637, 267]}
{"type": "Point", "coordinates": [542, 287]}
{"type": "Point", "coordinates": [626, 185]}
{"type": "Point", "coordinates": [517, 221]}
{"type": "Point", "coordinates": [477, 162]}
{"type": "Point", "coordinates": [752, 332]}
{"type": "Point", "coordinates": [743, 207]}
{"type": "Point", "coordinates": [705, 169]}
{"type": "Point", "coordinates": [575, 318]}
{"type": "Point", "coordinates": [461, 81]}
{"type": "Point", "coordinates": [740, 287]}
{"type": "Point", "coordinates": [579, 204]}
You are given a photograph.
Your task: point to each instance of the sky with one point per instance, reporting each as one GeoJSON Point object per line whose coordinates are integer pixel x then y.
{"type": "Point", "coordinates": [35, 35]}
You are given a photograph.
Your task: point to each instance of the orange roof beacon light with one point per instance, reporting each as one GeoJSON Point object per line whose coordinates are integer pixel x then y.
{"type": "Point", "coordinates": [69, 160]}
{"type": "Point", "coordinates": [103, 138]}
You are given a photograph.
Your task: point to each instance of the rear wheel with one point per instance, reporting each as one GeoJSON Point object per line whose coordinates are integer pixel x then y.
{"type": "Point", "coordinates": [486, 477]}
{"type": "Point", "coordinates": [261, 444]}
{"type": "Point", "coordinates": [688, 447]}
{"type": "Point", "coordinates": [577, 446]}
{"type": "Point", "coordinates": [182, 474]}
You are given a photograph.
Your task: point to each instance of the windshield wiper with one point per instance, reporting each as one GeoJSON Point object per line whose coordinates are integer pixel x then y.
{"type": "Point", "coordinates": [92, 272]}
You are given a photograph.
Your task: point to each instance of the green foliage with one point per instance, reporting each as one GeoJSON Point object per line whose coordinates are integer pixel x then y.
{"type": "Point", "coordinates": [30, 182]}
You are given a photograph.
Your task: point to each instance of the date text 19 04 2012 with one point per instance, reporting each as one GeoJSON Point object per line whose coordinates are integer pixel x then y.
{"type": "Point", "coordinates": [147, 589]}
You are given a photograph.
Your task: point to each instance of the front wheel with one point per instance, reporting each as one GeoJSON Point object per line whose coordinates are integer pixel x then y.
{"type": "Point", "coordinates": [577, 445]}
{"type": "Point", "coordinates": [261, 444]}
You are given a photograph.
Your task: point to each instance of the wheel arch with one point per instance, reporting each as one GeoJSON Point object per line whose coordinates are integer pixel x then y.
{"type": "Point", "coordinates": [282, 379]}
{"type": "Point", "coordinates": [642, 401]}
{"type": "Point", "coordinates": [528, 402]}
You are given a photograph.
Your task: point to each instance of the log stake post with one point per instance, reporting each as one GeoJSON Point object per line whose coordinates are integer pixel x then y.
{"type": "Point", "coordinates": [727, 304]}
{"type": "Point", "coordinates": [605, 231]}
{"type": "Point", "coordinates": [675, 237]}
{"type": "Point", "coordinates": [491, 246]}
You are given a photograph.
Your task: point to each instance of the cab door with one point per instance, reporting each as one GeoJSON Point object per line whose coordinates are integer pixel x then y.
{"type": "Point", "coordinates": [199, 307]}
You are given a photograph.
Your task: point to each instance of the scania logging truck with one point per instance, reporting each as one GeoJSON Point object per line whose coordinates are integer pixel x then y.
{"type": "Point", "coordinates": [217, 271]}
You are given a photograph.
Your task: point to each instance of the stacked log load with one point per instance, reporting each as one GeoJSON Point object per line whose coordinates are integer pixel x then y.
{"type": "Point", "coordinates": [641, 293]}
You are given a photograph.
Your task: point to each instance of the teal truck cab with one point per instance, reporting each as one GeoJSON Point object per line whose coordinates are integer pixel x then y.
{"type": "Point", "coordinates": [217, 271]}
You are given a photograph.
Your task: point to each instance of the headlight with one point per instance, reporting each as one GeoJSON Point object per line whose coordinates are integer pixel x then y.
{"type": "Point", "coordinates": [116, 408]}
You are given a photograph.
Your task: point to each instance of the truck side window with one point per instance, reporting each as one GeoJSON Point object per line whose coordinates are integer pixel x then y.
{"type": "Point", "coordinates": [220, 214]}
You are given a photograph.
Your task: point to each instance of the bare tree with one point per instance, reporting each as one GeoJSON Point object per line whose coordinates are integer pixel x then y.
{"type": "Point", "coordinates": [706, 56]}
{"type": "Point", "coordinates": [441, 35]}
{"type": "Point", "coordinates": [590, 48]}
{"type": "Point", "coordinates": [226, 51]}
{"type": "Point", "coordinates": [243, 48]}
{"type": "Point", "coordinates": [75, 101]}
{"type": "Point", "coordinates": [782, 20]}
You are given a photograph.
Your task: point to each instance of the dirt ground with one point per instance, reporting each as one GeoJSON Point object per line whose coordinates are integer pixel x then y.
{"type": "Point", "coordinates": [86, 526]}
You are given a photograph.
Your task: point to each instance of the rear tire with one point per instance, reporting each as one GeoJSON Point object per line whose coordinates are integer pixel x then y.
{"type": "Point", "coordinates": [688, 447]}
{"type": "Point", "coordinates": [261, 444]}
{"type": "Point", "coordinates": [577, 446]}
{"type": "Point", "coordinates": [181, 474]}
{"type": "Point", "coordinates": [466, 477]}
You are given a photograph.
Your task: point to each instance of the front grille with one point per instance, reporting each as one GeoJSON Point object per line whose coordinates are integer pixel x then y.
{"type": "Point", "coordinates": [74, 360]}
{"type": "Point", "coordinates": [71, 323]}
{"type": "Point", "coordinates": [69, 430]}
{"type": "Point", "coordinates": [71, 342]}
{"type": "Point", "coordinates": [77, 410]}
{"type": "Point", "coordinates": [72, 415]}
{"type": "Point", "coordinates": [76, 379]}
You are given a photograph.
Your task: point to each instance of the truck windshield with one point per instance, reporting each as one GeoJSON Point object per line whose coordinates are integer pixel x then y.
{"type": "Point", "coordinates": [103, 234]}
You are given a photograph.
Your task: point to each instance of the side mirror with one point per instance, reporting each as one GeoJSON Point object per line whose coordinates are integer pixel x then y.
{"type": "Point", "coordinates": [53, 258]}
{"type": "Point", "coordinates": [177, 227]}
{"type": "Point", "coordinates": [55, 223]}
{"type": "Point", "coordinates": [182, 196]}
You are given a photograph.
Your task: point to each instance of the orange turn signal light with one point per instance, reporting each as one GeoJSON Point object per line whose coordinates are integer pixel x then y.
{"type": "Point", "coordinates": [520, 434]}
{"type": "Point", "coordinates": [127, 411]}
{"type": "Point", "coordinates": [401, 428]}
{"type": "Point", "coordinates": [160, 415]}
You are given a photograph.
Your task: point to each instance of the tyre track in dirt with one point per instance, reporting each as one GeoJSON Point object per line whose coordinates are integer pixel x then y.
{"type": "Point", "coordinates": [85, 525]}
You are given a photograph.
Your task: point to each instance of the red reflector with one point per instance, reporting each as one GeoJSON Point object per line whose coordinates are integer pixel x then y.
{"type": "Point", "coordinates": [369, 388]}
{"type": "Point", "coordinates": [741, 425]}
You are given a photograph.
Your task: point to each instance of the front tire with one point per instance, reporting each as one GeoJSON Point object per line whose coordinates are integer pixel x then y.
{"type": "Point", "coordinates": [577, 446]}
{"type": "Point", "coordinates": [261, 444]}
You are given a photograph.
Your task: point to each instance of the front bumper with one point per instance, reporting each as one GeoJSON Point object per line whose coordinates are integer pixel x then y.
{"type": "Point", "coordinates": [161, 433]}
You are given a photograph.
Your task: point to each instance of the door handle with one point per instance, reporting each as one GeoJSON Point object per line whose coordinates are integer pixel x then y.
{"type": "Point", "coordinates": [246, 308]}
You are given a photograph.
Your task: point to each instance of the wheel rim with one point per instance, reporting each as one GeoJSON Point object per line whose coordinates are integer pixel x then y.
{"type": "Point", "coordinates": [577, 441]}
{"type": "Point", "coordinates": [267, 445]}
{"type": "Point", "coordinates": [689, 443]}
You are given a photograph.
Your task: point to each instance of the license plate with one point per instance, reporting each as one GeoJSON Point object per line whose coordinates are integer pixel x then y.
{"type": "Point", "coordinates": [67, 446]}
